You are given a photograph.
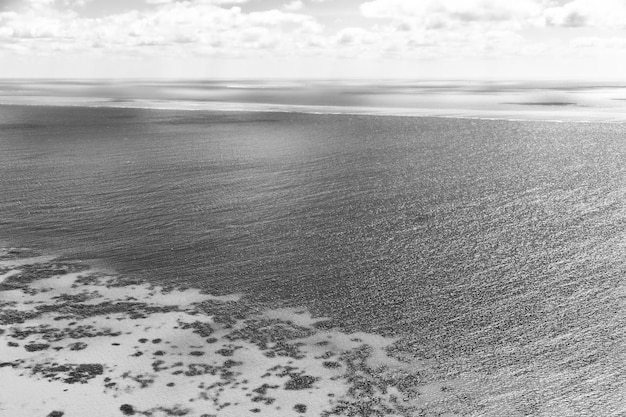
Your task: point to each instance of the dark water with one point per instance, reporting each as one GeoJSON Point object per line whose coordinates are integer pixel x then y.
{"type": "Point", "coordinates": [492, 247]}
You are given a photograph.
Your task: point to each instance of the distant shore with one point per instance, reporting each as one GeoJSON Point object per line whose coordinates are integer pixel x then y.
{"type": "Point", "coordinates": [527, 112]}
{"type": "Point", "coordinates": [512, 100]}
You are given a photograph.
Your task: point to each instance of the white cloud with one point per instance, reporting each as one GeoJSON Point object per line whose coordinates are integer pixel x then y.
{"type": "Point", "coordinates": [294, 5]}
{"type": "Point", "coordinates": [600, 45]}
{"type": "Point", "coordinates": [452, 28]}
{"type": "Point", "coordinates": [217, 2]}
{"type": "Point", "coordinates": [40, 2]}
{"type": "Point", "coordinates": [445, 13]}
{"type": "Point", "coordinates": [355, 36]}
{"type": "Point", "coordinates": [178, 27]}
{"type": "Point", "coordinates": [579, 13]}
{"type": "Point", "coordinates": [439, 12]}
{"type": "Point", "coordinates": [385, 29]}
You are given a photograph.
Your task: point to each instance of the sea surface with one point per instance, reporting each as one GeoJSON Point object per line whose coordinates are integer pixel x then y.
{"type": "Point", "coordinates": [495, 249]}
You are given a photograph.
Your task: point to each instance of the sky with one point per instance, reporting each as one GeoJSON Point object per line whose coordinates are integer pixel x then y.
{"type": "Point", "coordinates": [326, 39]}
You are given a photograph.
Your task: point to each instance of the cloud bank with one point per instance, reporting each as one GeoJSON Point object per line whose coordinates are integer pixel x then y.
{"type": "Point", "coordinates": [421, 31]}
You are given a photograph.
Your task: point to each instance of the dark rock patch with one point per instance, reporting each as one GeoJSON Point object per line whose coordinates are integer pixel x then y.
{"type": "Point", "coordinates": [331, 364]}
{"type": "Point", "coordinates": [52, 334]}
{"type": "Point", "coordinates": [16, 317]}
{"type": "Point", "coordinates": [77, 346]}
{"type": "Point", "coordinates": [33, 347]}
{"type": "Point", "coordinates": [34, 272]}
{"type": "Point", "coordinates": [11, 364]}
{"type": "Point", "coordinates": [299, 382]}
{"type": "Point", "coordinates": [144, 381]}
{"type": "Point", "coordinates": [200, 328]}
{"type": "Point", "coordinates": [133, 309]}
{"type": "Point", "coordinates": [70, 373]}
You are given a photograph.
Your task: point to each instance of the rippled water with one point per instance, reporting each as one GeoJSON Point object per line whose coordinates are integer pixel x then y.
{"type": "Point", "coordinates": [494, 248]}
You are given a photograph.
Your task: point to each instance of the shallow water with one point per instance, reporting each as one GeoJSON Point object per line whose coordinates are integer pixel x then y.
{"type": "Point", "coordinates": [492, 248]}
{"type": "Point", "coordinates": [89, 342]}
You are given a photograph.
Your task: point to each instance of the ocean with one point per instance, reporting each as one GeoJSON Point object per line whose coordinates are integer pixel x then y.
{"type": "Point", "coordinates": [493, 250]}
